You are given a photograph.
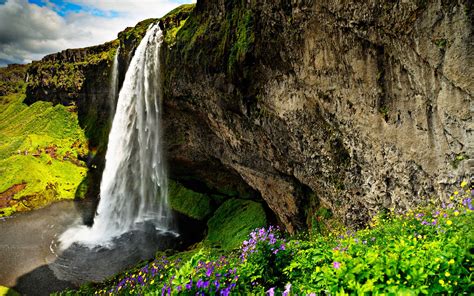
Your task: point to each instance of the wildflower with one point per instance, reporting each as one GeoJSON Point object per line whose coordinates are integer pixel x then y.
{"type": "Point", "coordinates": [189, 285]}
{"type": "Point", "coordinates": [209, 271]}
{"type": "Point", "coordinates": [456, 193]}
{"type": "Point", "coordinates": [449, 222]}
{"type": "Point", "coordinates": [447, 274]}
{"type": "Point", "coordinates": [451, 261]}
{"type": "Point", "coordinates": [271, 292]}
{"type": "Point", "coordinates": [463, 184]}
{"type": "Point", "coordinates": [336, 265]}
{"type": "Point", "coordinates": [199, 284]}
{"type": "Point", "coordinates": [179, 288]}
{"type": "Point", "coordinates": [287, 290]}
{"type": "Point", "coordinates": [456, 213]}
{"type": "Point", "coordinates": [441, 282]}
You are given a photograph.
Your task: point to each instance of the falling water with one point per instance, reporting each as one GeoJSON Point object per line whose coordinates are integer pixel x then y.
{"type": "Point", "coordinates": [133, 191]}
{"type": "Point", "coordinates": [114, 83]}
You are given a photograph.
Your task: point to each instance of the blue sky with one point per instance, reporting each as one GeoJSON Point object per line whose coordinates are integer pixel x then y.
{"type": "Point", "coordinates": [66, 7]}
{"type": "Point", "coordinates": [30, 29]}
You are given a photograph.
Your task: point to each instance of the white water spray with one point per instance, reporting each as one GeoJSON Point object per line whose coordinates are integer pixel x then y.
{"type": "Point", "coordinates": [134, 184]}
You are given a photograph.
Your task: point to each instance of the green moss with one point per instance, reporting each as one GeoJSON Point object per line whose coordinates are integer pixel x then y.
{"type": "Point", "coordinates": [193, 204]}
{"type": "Point", "coordinates": [135, 34]}
{"type": "Point", "coordinates": [39, 146]}
{"type": "Point", "coordinates": [12, 79]}
{"type": "Point", "coordinates": [457, 160]}
{"type": "Point", "coordinates": [81, 189]}
{"type": "Point", "coordinates": [233, 221]}
{"type": "Point", "coordinates": [221, 46]}
{"type": "Point", "coordinates": [245, 38]}
{"type": "Point", "coordinates": [174, 21]}
{"type": "Point", "coordinates": [5, 291]}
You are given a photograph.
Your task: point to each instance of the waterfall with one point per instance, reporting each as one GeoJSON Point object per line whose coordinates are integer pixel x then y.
{"type": "Point", "coordinates": [133, 191]}
{"type": "Point", "coordinates": [114, 83]}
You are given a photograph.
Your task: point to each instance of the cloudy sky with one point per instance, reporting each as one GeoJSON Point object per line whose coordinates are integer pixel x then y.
{"type": "Point", "coordinates": [30, 29]}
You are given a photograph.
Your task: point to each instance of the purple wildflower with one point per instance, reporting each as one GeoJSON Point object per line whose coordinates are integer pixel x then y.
{"type": "Point", "coordinates": [271, 292]}
{"type": "Point", "coordinates": [209, 271]}
{"type": "Point", "coordinates": [336, 265]}
{"type": "Point", "coordinates": [199, 284]}
{"type": "Point", "coordinates": [287, 290]}
{"type": "Point", "coordinates": [189, 285]}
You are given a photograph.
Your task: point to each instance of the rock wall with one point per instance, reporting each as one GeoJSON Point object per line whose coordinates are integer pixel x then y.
{"type": "Point", "coordinates": [346, 105]}
{"type": "Point", "coordinates": [354, 106]}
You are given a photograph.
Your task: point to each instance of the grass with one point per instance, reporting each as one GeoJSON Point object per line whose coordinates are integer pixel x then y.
{"type": "Point", "coordinates": [40, 147]}
{"type": "Point", "coordinates": [424, 251]}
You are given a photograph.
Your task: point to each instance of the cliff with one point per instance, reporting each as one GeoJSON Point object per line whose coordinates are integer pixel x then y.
{"type": "Point", "coordinates": [313, 107]}
{"type": "Point", "coordinates": [349, 106]}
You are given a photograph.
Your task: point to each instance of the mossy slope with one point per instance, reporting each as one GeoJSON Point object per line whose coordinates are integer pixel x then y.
{"type": "Point", "coordinates": [190, 203]}
{"type": "Point", "coordinates": [233, 221]}
{"type": "Point", "coordinates": [40, 150]}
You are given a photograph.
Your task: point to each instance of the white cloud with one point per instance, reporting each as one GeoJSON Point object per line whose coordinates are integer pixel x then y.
{"type": "Point", "coordinates": [28, 32]}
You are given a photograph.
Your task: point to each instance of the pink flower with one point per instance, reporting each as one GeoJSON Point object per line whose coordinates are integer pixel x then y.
{"type": "Point", "coordinates": [336, 265]}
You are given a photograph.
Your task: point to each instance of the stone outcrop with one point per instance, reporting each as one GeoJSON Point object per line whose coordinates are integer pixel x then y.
{"type": "Point", "coordinates": [365, 105]}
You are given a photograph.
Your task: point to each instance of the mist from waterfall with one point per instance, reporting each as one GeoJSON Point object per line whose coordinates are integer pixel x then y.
{"type": "Point", "coordinates": [133, 191]}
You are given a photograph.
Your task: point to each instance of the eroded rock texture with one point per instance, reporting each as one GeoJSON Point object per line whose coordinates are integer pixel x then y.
{"type": "Point", "coordinates": [363, 105]}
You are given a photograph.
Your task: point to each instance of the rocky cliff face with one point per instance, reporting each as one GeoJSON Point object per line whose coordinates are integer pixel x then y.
{"type": "Point", "coordinates": [352, 106]}
{"type": "Point", "coordinates": [349, 106]}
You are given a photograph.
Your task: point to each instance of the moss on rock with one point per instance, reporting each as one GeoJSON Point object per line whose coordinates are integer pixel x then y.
{"type": "Point", "coordinates": [12, 79]}
{"type": "Point", "coordinates": [5, 291]}
{"type": "Point", "coordinates": [233, 221]}
{"type": "Point", "coordinates": [190, 203]}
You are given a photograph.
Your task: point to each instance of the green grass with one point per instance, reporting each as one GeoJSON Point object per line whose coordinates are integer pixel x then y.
{"type": "Point", "coordinates": [233, 221]}
{"type": "Point", "coordinates": [39, 146]}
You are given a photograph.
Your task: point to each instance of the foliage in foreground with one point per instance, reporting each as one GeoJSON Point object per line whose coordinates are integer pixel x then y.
{"type": "Point", "coordinates": [424, 251]}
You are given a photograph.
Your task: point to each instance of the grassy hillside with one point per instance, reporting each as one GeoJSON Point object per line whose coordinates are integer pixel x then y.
{"type": "Point", "coordinates": [40, 147]}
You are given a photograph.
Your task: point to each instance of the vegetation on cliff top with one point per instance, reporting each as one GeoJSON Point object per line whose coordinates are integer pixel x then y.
{"type": "Point", "coordinates": [66, 72]}
{"type": "Point", "coordinates": [422, 251]}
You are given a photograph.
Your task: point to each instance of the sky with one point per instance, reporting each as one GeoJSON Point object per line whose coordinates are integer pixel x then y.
{"type": "Point", "coordinates": [31, 29]}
